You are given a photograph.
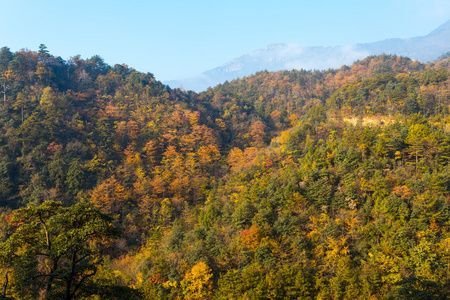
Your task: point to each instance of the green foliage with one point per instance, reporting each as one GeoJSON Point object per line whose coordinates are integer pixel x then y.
{"type": "Point", "coordinates": [54, 249]}
{"type": "Point", "coordinates": [419, 288]}
{"type": "Point", "coordinates": [281, 185]}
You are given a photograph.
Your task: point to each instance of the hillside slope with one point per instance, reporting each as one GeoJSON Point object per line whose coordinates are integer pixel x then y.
{"type": "Point", "coordinates": [273, 186]}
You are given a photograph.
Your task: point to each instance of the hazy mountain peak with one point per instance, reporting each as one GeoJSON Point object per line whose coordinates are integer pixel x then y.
{"type": "Point", "coordinates": [280, 56]}
{"type": "Point", "coordinates": [441, 29]}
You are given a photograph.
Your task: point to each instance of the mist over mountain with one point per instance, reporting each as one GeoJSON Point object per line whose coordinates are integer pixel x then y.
{"type": "Point", "coordinates": [279, 56]}
{"type": "Point", "coordinates": [424, 48]}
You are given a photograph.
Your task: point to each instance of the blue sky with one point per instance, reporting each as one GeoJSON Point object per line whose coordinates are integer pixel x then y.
{"type": "Point", "coordinates": [175, 39]}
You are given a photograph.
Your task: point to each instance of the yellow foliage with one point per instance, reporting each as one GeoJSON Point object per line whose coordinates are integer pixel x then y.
{"type": "Point", "coordinates": [221, 124]}
{"type": "Point", "coordinates": [140, 173]}
{"type": "Point", "coordinates": [197, 283]}
{"type": "Point", "coordinates": [41, 70]}
{"type": "Point", "coordinates": [330, 157]}
{"type": "Point", "coordinates": [207, 154]}
{"type": "Point", "coordinates": [5, 273]}
{"type": "Point", "coordinates": [401, 76]}
{"type": "Point", "coordinates": [293, 118]}
{"type": "Point", "coordinates": [9, 75]}
{"type": "Point", "coordinates": [170, 284]}
{"type": "Point", "coordinates": [388, 266]}
{"type": "Point", "coordinates": [139, 280]}
{"type": "Point", "coordinates": [166, 210]}
{"type": "Point", "coordinates": [132, 157]}
{"type": "Point", "coordinates": [48, 97]}
{"type": "Point", "coordinates": [235, 157]}
{"type": "Point", "coordinates": [193, 118]}
{"type": "Point", "coordinates": [366, 186]}
{"type": "Point", "coordinates": [284, 137]}
{"type": "Point", "coordinates": [297, 202]}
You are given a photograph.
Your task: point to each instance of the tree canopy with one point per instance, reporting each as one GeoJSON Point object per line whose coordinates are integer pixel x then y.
{"type": "Point", "coordinates": [292, 184]}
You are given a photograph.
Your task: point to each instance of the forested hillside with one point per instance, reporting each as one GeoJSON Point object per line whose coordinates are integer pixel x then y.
{"type": "Point", "coordinates": [286, 185]}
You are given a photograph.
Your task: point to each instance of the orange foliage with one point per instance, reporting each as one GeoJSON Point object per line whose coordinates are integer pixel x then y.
{"type": "Point", "coordinates": [258, 134]}
{"type": "Point", "coordinates": [53, 147]}
{"type": "Point", "coordinates": [208, 154]}
{"type": "Point", "coordinates": [402, 191]}
{"type": "Point", "coordinates": [151, 151]}
{"type": "Point", "coordinates": [251, 237]}
{"type": "Point", "coordinates": [109, 195]}
{"type": "Point", "coordinates": [155, 279]}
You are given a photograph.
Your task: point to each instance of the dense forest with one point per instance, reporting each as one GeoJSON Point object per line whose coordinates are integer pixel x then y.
{"type": "Point", "coordinates": [282, 185]}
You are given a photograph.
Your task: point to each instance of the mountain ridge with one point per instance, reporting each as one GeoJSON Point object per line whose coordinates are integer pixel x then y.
{"type": "Point", "coordinates": [281, 56]}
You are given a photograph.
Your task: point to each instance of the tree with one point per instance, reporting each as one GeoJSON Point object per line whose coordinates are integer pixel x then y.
{"type": "Point", "coordinates": [419, 140]}
{"type": "Point", "coordinates": [43, 53]}
{"type": "Point", "coordinates": [7, 77]}
{"type": "Point", "coordinates": [53, 252]}
{"type": "Point", "coordinates": [110, 195]}
{"type": "Point", "coordinates": [48, 98]}
{"type": "Point", "coordinates": [5, 57]}
{"type": "Point", "coordinates": [22, 102]}
{"type": "Point", "coordinates": [197, 283]}
{"type": "Point", "coordinates": [43, 72]}
{"type": "Point", "coordinates": [418, 288]}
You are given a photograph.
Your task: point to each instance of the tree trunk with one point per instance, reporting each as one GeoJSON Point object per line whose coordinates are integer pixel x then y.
{"type": "Point", "coordinates": [48, 287]}
{"type": "Point", "coordinates": [417, 160]}
{"type": "Point", "coordinates": [5, 284]}
{"type": "Point", "coordinates": [4, 92]}
{"type": "Point", "coordinates": [71, 275]}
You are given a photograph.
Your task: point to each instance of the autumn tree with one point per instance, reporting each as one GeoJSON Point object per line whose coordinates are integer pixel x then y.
{"type": "Point", "coordinates": [7, 78]}
{"type": "Point", "coordinates": [48, 98]}
{"type": "Point", "coordinates": [109, 196]}
{"type": "Point", "coordinates": [197, 283]}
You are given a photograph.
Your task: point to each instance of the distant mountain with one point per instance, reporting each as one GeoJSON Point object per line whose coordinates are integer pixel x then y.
{"type": "Point", "coordinates": [424, 48]}
{"type": "Point", "coordinates": [292, 56]}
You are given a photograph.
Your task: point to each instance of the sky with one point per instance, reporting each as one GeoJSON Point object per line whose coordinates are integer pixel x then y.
{"type": "Point", "coordinates": [175, 39]}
